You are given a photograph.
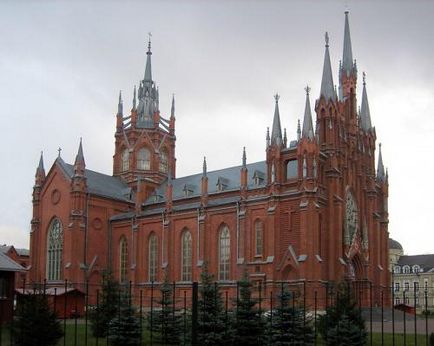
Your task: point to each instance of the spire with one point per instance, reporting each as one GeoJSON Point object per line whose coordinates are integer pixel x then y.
{"type": "Point", "coordinates": [276, 132]}
{"type": "Point", "coordinates": [365, 114]}
{"type": "Point", "coordinates": [244, 158]}
{"type": "Point", "coordinates": [79, 159]}
{"type": "Point", "coordinates": [298, 130]}
{"type": "Point", "coordinates": [267, 137]}
{"type": "Point", "coordinates": [327, 86]}
{"type": "Point", "coordinates": [134, 98]}
{"type": "Point", "coordinates": [148, 70]}
{"type": "Point", "coordinates": [285, 138]}
{"type": "Point", "coordinates": [380, 167]}
{"type": "Point", "coordinates": [347, 58]}
{"type": "Point", "coordinates": [41, 163]}
{"type": "Point", "coordinates": [307, 121]}
{"type": "Point", "coordinates": [120, 103]}
{"type": "Point", "coordinates": [204, 167]}
{"type": "Point", "coordinates": [172, 110]}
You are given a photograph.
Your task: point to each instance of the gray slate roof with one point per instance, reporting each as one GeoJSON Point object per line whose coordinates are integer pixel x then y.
{"type": "Point", "coordinates": [230, 176]}
{"type": "Point", "coordinates": [426, 262]}
{"type": "Point", "coordinates": [9, 265]}
{"type": "Point", "coordinates": [393, 244]}
{"type": "Point", "coordinates": [101, 184]}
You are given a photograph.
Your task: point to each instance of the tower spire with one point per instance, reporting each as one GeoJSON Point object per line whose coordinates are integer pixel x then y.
{"type": "Point", "coordinates": [327, 86]}
{"type": "Point", "coordinates": [148, 69]}
{"type": "Point", "coordinates": [380, 167]}
{"type": "Point", "coordinates": [307, 120]}
{"type": "Point", "coordinates": [120, 103]}
{"type": "Point", "coordinates": [347, 57]}
{"type": "Point", "coordinates": [172, 109]}
{"type": "Point", "coordinates": [244, 158]}
{"type": "Point", "coordinates": [204, 167]}
{"type": "Point", "coordinates": [276, 132]}
{"type": "Point", "coordinates": [365, 114]}
{"type": "Point", "coordinates": [41, 163]}
{"type": "Point", "coordinates": [298, 130]}
{"type": "Point", "coordinates": [134, 98]}
{"type": "Point", "coordinates": [79, 164]}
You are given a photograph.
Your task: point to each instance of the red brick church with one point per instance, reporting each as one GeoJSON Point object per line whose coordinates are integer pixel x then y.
{"type": "Point", "coordinates": [314, 209]}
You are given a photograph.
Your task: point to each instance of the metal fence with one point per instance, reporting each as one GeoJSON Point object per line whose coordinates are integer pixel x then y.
{"type": "Point", "coordinates": [73, 302]}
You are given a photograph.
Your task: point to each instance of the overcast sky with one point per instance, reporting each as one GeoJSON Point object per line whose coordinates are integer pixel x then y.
{"type": "Point", "coordinates": [62, 65]}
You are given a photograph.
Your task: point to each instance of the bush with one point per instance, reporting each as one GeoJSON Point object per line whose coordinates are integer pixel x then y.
{"type": "Point", "coordinates": [124, 329]}
{"type": "Point", "coordinates": [108, 307]}
{"type": "Point", "coordinates": [343, 323]}
{"type": "Point", "coordinates": [36, 324]}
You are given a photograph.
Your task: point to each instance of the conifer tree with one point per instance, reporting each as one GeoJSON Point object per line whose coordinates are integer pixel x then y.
{"type": "Point", "coordinates": [167, 322]}
{"type": "Point", "coordinates": [248, 324]}
{"type": "Point", "coordinates": [35, 323]}
{"type": "Point", "coordinates": [288, 324]}
{"type": "Point", "coordinates": [211, 315]}
{"type": "Point", "coordinates": [343, 323]}
{"type": "Point", "coordinates": [107, 308]}
{"type": "Point", "coordinates": [124, 328]}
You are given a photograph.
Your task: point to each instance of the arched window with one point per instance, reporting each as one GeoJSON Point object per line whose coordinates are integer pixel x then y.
{"type": "Point", "coordinates": [153, 257]}
{"type": "Point", "coordinates": [406, 269]}
{"type": "Point", "coordinates": [143, 159]}
{"type": "Point", "coordinates": [259, 238]}
{"type": "Point", "coordinates": [397, 270]}
{"type": "Point", "coordinates": [416, 269]}
{"type": "Point", "coordinates": [125, 160]}
{"type": "Point", "coordinates": [224, 253]}
{"type": "Point", "coordinates": [304, 167]}
{"type": "Point", "coordinates": [273, 173]}
{"type": "Point", "coordinates": [164, 165]}
{"type": "Point", "coordinates": [292, 169]}
{"type": "Point", "coordinates": [123, 260]}
{"type": "Point", "coordinates": [54, 251]}
{"type": "Point", "coordinates": [187, 257]}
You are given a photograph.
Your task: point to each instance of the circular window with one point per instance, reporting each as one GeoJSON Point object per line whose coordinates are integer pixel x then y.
{"type": "Point", "coordinates": [55, 196]}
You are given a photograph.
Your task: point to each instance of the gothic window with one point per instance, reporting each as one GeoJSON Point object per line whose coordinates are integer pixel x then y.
{"type": "Point", "coordinates": [152, 257]}
{"type": "Point", "coordinates": [123, 260]}
{"type": "Point", "coordinates": [143, 159]}
{"type": "Point", "coordinates": [54, 251]}
{"type": "Point", "coordinates": [304, 167]}
{"type": "Point", "coordinates": [164, 164]}
{"type": "Point", "coordinates": [259, 238]}
{"type": "Point", "coordinates": [292, 169]}
{"type": "Point", "coordinates": [273, 173]}
{"type": "Point", "coordinates": [351, 218]}
{"type": "Point", "coordinates": [224, 254]}
{"type": "Point", "coordinates": [186, 261]}
{"type": "Point", "coordinates": [125, 160]}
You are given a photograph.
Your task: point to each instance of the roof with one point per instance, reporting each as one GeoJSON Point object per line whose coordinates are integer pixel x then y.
{"type": "Point", "coordinates": [22, 252]}
{"type": "Point", "coordinates": [5, 248]}
{"type": "Point", "coordinates": [393, 244]}
{"type": "Point", "coordinates": [49, 291]}
{"type": "Point", "coordinates": [426, 262]}
{"type": "Point", "coordinates": [229, 176]}
{"type": "Point", "coordinates": [101, 184]}
{"type": "Point", "coordinates": [9, 265]}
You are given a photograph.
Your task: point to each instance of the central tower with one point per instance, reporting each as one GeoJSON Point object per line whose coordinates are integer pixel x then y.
{"type": "Point", "coordinates": [144, 141]}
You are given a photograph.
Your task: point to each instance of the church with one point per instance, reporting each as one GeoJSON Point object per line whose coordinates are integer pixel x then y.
{"type": "Point", "coordinates": [314, 210]}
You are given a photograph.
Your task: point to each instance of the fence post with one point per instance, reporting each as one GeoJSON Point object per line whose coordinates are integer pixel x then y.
{"type": "Point", "coordinates": [315, 320]}
{"type": "Point", "coordinates": [97, 316]}
{"type": "Point", "coordinates": [86, 312]}
{"type": "Point", "coordinates": [185, 316]}
{"type": "Point", "coordinates": [64, 311]}
{"type": "Point", "coordinates": [382, 317]}
{"type": "Point", "coordinates": [415, 314]}
{"type": "Point", "coordinates": [393, 311]}
{"type": "Point", "coordinates": [194, 314]}
{"type": "Point", "coordinates": [75, 318]}
{"type": "Point", "coordinates": [426, 315]}
{"type": "Point", "coordinates": [405, 324]}
{"type": "Point", "coordinates": [370, 312]}
{"type": "Point", "coordinates": [152, 312]}
{"type": "Point", "coordinates": [141, 315]}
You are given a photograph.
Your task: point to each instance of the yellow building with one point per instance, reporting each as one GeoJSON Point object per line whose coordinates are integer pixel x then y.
{"type": "Point", "coordinates": [412, 278]}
